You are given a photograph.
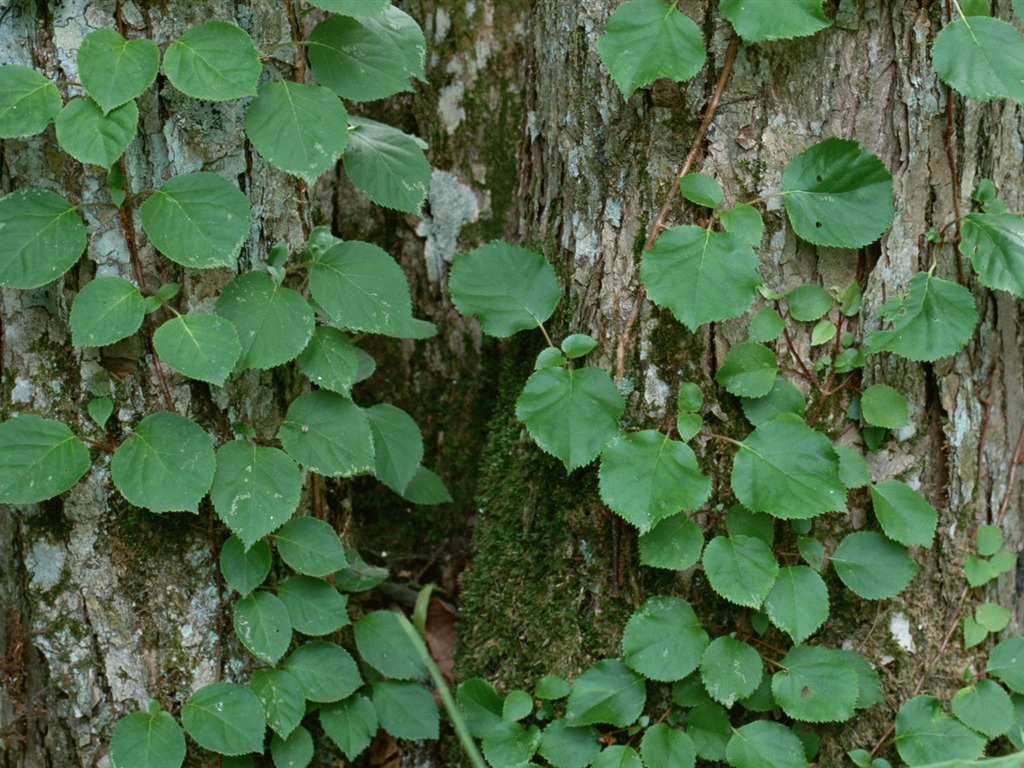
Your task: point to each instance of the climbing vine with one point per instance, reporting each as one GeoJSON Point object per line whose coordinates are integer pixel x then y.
{"type": "Point", "coordinates": [748, 696]}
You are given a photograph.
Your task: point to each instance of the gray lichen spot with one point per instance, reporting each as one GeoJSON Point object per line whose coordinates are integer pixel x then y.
{"type": "Point", "coordinates": [45, 562]}
{"type": "Point", "coordinates": [452, 206]}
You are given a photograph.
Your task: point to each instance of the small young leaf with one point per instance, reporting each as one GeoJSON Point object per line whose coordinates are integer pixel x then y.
{"type": "Point", "coordinates": [741, 569]}
{"type": "Point", "coordinates": [310, 546]}
{"type": "Point", "coordinates": [978, 571]}
{"type": "Point", "coordinates": [28, 101]}
{"type": "Point", "coordinates": [261, 623]}
{"type": "Point", "coordinates": [328, 434]}
{"type": "Point", "coordinates": [816, 685]}
{"type": "Point", "coordinates": [215, 61]}
{"type": "Point", "coordinates": [883, 406]}
{"type": "Point", "coordinates": [812, 552]}
{"type": "Point", "coordinates": [100, 410]}
{"type": "Point", "coordinates": [849, 300]}
{"type": "Point", "coordinates": [798, 602]}
{"type": "Point", "coordinates": [853, 467]}
{"type": "Point", "coordinates": [666, 747]}
{"type": "Point", "coordinates": [989, 539]}
{"type": "Point", "coordinates": [905, 516]}
{"type": "Point", "coordinates": [663, 640]}
{"type": "Point", "coordinates": [730, 670]}
{"type": "Point", "coordinates": [325, 671]}
{"type": "Point", "coordinates": [608, 692]}
{"type": "Point", "coordinates": [255, 489]}
{"type": "Point", "coordinates": [808, 303]}
{"type": "Point", "coordinates": [387, 166]}
{"type": "Point", "coordinates": [115, 70]}
{"type": "Point", "coordinates": [672, 45]}
{"type": "Point", "coordinates": [700, 188]}
{"type": "Point", "coordinates": [225, 718]}
{"type": "Point", "coordinates": [1005, 663]}
{"type": "Point", "coordinates": [869, 687]}
{"type": "Point", "coordinates": [974, 633]}
{"type": "Point", "coordinates": [823, 332]}
{"type": "Point", "coordinates": [90, 136]}
{"type": "Point", "coordinates": [764, 744]}
{"type": "Point", "coordinates": [675, 543]}
{"type": "Point", "coordinates": [426, 488]}
{"type": "Point", "coordinates": [749, 370]}
{"type": "Point", "coordinates": [397, 444]}
{"type": "Point", "coordinates": [145, 740]}
{"type": "Point", "coordinates": [984, 706]}
{"type": "Point", "coordinates": [406, 710]}
{"type": "Point", "coordinates": [351, 724]}
{"type": "Point", "coordinates": [518, 704]}
{"type": "Point", "coordinates": [995, 245]}
{"type": "Point", "coordinates": [872, 566]}
{"type": "Point", "coordinates": [509, 743]}
{"type": "Point", "coordinates": [617, 756]}
{"type": "Point", "coordinates": [359, 576]}
{"type": "Point", "coordinates": [551, 687]}
{"type": "Point", "coordinates": [244, 569]}
{"type": "Point", "coordinates": [480, 705]}
{"type": "Point", "coordinates": [783, 397]}
{"type": "Point", "coordinates": [43, 238]}
{"type": "Point", "coordinates": [979, 57]}
{"type": "Point", "coordinates": [549, 357]}
{"type": "Point", "coordinates": [783, 19]}
{"type": "Point", "coordinates": [384, 646]}
{"type": "Point", "coordinates": [282, 699]}
{"type": "Point", "coordinates": [744, 220]}
{"type": "Point", "coordinates": [330, 360]}
{"type": "Point", "coordinates": [566, 747]}
{"type": "Point", "coordinates": [926, 734]}
{"type": "Point", "coordinates": [578, 345]}
{"type": "Point", "coordinates": [314, 606]}
{"type": "Point", "coordinates": [203, 347]}
{"type": "Point", "coordinates": [106, 310]}
{"type": "Point", "coordinates": [294, 752]}
{"type": "Point", "coordinates": [690, 399]}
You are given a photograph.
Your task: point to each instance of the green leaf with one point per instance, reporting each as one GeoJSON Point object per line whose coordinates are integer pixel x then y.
{"type": "Point", "coordinates": [518, 705]}
{"type": "Point", "coordinates": [352, 7]}
{"type": "Point", "coordinates": [608, 692]}
{"type": "Point", "coordinates": [369, 57]}
{"type": "Point", "coordinates": [974, 633]}
{"type": "Point", "coordinates": [294, 752]}
{"type": "Point", "coordinates": [299, 129]}
{"type": "Point", "coordinates": [816, 685]}
{"type": "Point", "coordinates": [203, 347]}
{"type": "Point", "coordinates": [90, 136]}
{"type": "Point", "coordinates": [838, 194]}
{"type": "Point", "coordinates": [100, 410]}
{"type": "Point", "coordinates": [808, 303]}
{"type": "Point", "coordinates": [578, 345]}
{"type": "Point", "coordinates": [617, 756]}
{"type": "Point", "coordinates": [980, 57]}
{"type": "Point", "coordinates": [823, 333]}
{"type": "Point", "coordinates": [198, 220]}
{"type": "Point", "coordinates": [115, 70]}
{"type": "Point", "coordinates": [509, 743]}
{"type": "Point", "coordinates": [741, 569]}
{"type": "Point", "coordinates": [783, 397]}
{"type": "Point", "coordinates": [985, 707]}
{"type": "Point", "coordinates": [328, 434]}
{"type": "Point", "coordinates": [995, 245]}
{"type": "Point", "coordinates": [645, 477]}
{"type": "Point", "coordinates": [325, 671]}
{"type": "Point", "coordinates": [406, 710]}
{"type": "Point", "coordinates": [144, 740]}
{"type": "Point", "coordinates": [992, 616]}
{"type": "Point", "coordinates": [978, 571]}
{"type": "Point", "coordinates": [43, 238]}
{"type": "Point", "coordinates": [742, 522]}
{"type": "Point", "coordinates": [566, 747]}
{"type": "Point", "coordinates": [989, 539]}
{"type": "Point", "coordinates": [663, 640]}
{"type": "Point", "coordinates": [310, 546]}
{"type": "Point", "coordinates": [926, 734]}
{"type": "Point", "coordinates": [549, 357]}
{"type": "Point", "coordinates": [255, 489]}
{"type": "Point", "coordinates": [665, 747]}
{"type": "Point", "coordinates": [426, 488]}
{"type": "Point", "coordinates": [788, 470]}
{"type": "Point", "coordinates": [480, 705]}
{"type": "Point", "coordinates": [700, 275]}
{"type": "Point", "coordinates": [798, 602]}
{"type": "Point", "coordinates": [812, 552]}
{"type": "Point", "coordinates": [351, 724]}
{"type": "Point", "coordinates": [244, 569]}
{"type": "Point", "coordinates": [384, 646]}
{"type": "Point", "coordinates": [571, 414]}
{"type": "Point", "coordinates": [976, 7]}
{"type": "Point", "coordinates": [225, 718]}
{"type": "Point", "coordinates": [314, 606]}
{"type": "Point", "coordinates": [387, 166]}
{"type": "Point", "coordinates": [935, 320]}
{"type": "Point", "coordinates": [701, 189]}
{"type": "Point", "coordinates": [869, 688]}
{"type": "Point", "coordinates": [688, 425]}
{"type": "Point", "coordinates": [360, 286]}
{"type": "Point", "coordinates": [874, 567]}
{"type": "Point", "coordinates": [1003, 562]}
{"type": "Point", "coordinates": [262, 625]}
{"type": "Point", "coordinates": [551, 687]}
{"type": "Point", "coordinates": [647, 39]}
{"type": "Point", "coordinates": [1006, 663]}
{"type": "Point", "coordinates": [281, 696]}
{"type": "Point", "coordinates": [675, 543]}
{"type": "Point", "coordinates": [166, 464]}
{"type": "Point", "coordinates": [766, 325]}
{"type": "Point", "coordinates": [883, 406]}
{"type": "Point", "coordinates": [709, 727]}
{"type": "Point", "coordinates": [764, 744]}
{"type": "Point", "coordinates": [215, 61]}
{"type": "Point", "coordinates": [398, 446]}
{"type": "Point", "coordinates": [905, 516]}
{"type": "Point", "coordinates": [28, 101]}
{"type": "Point", "coordinates": [106, 310]}
{"type": "Point", "coordinates": [731, 670]}
{"type": "Point", "coordinates": [744, 220]}
{"type": "Point", "coordinates": [359, 576]}
{"type": "Point", "coordinates": [330, 360]}
{"type": "Point", "coordinates": [756, 21]}
{"type": "Point", "coordinates": [508, 288]}
{"type": "Point", "coordinates": [749, 370]}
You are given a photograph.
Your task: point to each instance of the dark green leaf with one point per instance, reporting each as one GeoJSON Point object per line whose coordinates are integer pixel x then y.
{"type": "Point", "coordinates": [1006, 662]}
{"type": "Point", "coordinates": [351, 724]}
{"type": "Point", "coordinates": [663, 640]}
{"type": "Point", "coordinates": [709, 727]}
{"type": "Point", "coordinates": [798, 602]}
{"type": "Point", "coordinates": [352, 7]}
{"type": "Point", "coordinates": [397, 444]}
{"type": "Point", "coordinates": [43, 238]}
{"type": "Point", "coordinates": [608, 692]}
{"type": "Point", "coordinates": [869, 688]}
{"type": "Point", "coordinates": [742, 522]}
{"type": "Point", "coordinates": [617, 756]}
{"type": "Point", "coordinates": [816, 685]}
{"type": "Point", "coordinates": [741, 569]}
{"type": "Point", "coordinates": [329, 435]}
{"type": "Point", "coordinates": [984, 706]}
{"type": "Point", "coordinates": [731, 670]}
{"type": "Point", "coordinates": [255, 489]}
{"type": "Point", "coordinates": [426, 488]}
{"type": "Point", "coordinates": [905, 516]}
{"type": "Point", "coordinates": [749, 370]}
{"type": "Point", "coordinates": [387, 166]}
{"type": "Point", "coordinates": [314, 606]}
{"type": "Point", "coordinates": [764, 744]}
{"type": "Point", "coordinates": [261, 623]}
{"type": "Point", "coordinates": [551, 687]}
{"type": "Point", "coordinates": [808, 302]}
{"type": "Point", "coordinates": [106, 310]}
{"type": "Point", "coordinates": [674, 543]}
{"type": "Point", "coordinates": [995, 245]}
{"type": "Point", "coordinates": [203, 347]}
{"type": "Point", "coordinates": [926, 734]}
{"type": "Point", "coordinates": [216, 61]}
{"type": "Point", "coordinates": [281, 696]}
{"type": "Point", "coordinates": [701, 189]}
{"type": "Point", "coordinates": [330, 360]}
{"type": "Point", "coordinates": [566, 747]}
{"type": "Point", "coordinates": [578, 345]}
{"type": "Point", "coordinates": [812, 552]}
{"type": "Point", "coordinates": [144, 740]}
{"type": "Point", "coordinates": [225, 718]}
{"type": "Point", "coordinates": [100, 410]}
{"type": "Point", "coordinates": [874, 567]}
{"type": "Point", "coordinates": [115, 70]}
{"type": "Point", "coordinates": [665, 747]}
{"type": "Point", "coordinates": [90, 136]}
{"type": "Point", "coordinates": [325, 671]}
{"type": "Point", "coordinates": [28, 101]}
{"type": "Point", "coordinates": [755, 20]}
{"type": "Point", "coordinates": [406, 710]}
{"type": "Point", "coordinates": [480, 705]}
{"type": "Point", "coordinates": [244, 570]}
{"type": "Point", "coordinates": [359, 576]}
{"type": "Point", "coordinates": [883, 406]}
{"type": "Point", "coordinates": [509, 743]}
{"type": "Point", "coordinates": [294, 752]}
{"type": "Point", "coordinates": [384, 645]}
{"type": "Point", "coordinates": [784, 397]}
{"type": "Point", "coordinates": [980, 57]}
{"type": "Point", "coordinates": [310, 546]}
{"type": "Point", "coordinates": [853, 467]}
{"type": "Point", "coordinates": [518, 704]}
{"type": "Point", "coordinates": [39, 459]}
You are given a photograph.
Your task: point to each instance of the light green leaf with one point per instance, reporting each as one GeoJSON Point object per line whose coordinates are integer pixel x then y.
{"type": "Point", "coordinates": [106, 310]}
{"type": "Point", "coordinates": [43, 238]}
{"type": "Point", "coordinates": [989, 539]}
{"type": "Point", "coordinates": [578, 345]}
{"type": "Point", "coordinates": [798, 602]}
{"type": "Point", "coordinates": [883, 406]}
{"type": "Point", "coordinates": [974, 633]}
{"type": "Point", "coordinates": [980, 57]}
{"type": "Point", "coordinates": [314, 606]}
{"type": "Point", "coordinates": [282, 699]}
{"type": "Point", "coordinates": [298, 128]}
{"type": "Point", "coordinates": [766, 325]}
{"type": "Point", "coordinates": [100, 409]}
{"type": "Point", "coordinates": [294, 752]}
{"type": "Point", "coordinates": [731, 670]}
{"type": "Point", "coordinates": [702, 276]}
{"type": "Point", "coordinates": [387, 166]}
{"type": "Point", "coordinates": [145, 740]}
{"type": "Point", "coordinates": [351, 724]}
{"type": "Point", "coordinates": [551, 687]}
{"type": "Point", "coordinates": [926, 734]}
{"type": "Point", "coordinates": [617, 756]}
{"type": "Point", "coordinates": [215, 61]}
{"type": "Point", "coordinates": [480, 705]}
{"type": "Point", "coordinates": [741, 569]}
{"type": "Point", "coordinates": [198, 220]}
{"type": "Point", "coordinates": [808, 303]}
{"type": "Point", "coordinates": [701, 189]}
{"type": "Point", "coordinates": [406, 710]}
{"type": "Point", "coordinates": [330, 360]}
{"type": "Point", "coordinates": [369, 57]}
{"type": "Point", "coordinates": [255, 489]}
{"type": "Point", "coordinates": [385, 646]}
{"type": "Point", "coordinates": [90, 136]}
{"type": "Point", "coordinates": [310, 546]}
{"type": "Point", "coordinates": [838, 194]}
{"type": "Point", "coordinates": [397, 444]}
{"type": "Point", "coordinates": [1006, 663]}
{"type": "Point", "coordinates": [675, 543]}
{"type": "Point", "coordinates": [244, 569]}
{"type": "Point", "coordinates": [566, 747]}
{"type": "Point", "coordinates": [645, 477]}
{"type": "Point", "coordinates": [666, 747]}
{"type": "Point", "coordinates": [608, 692]}
{"type": "Point", "coordinates": [28, 101]}
{"type": "Point", "coordinates": [115, 70]}
{"type": "Point", "coordinates": [508, 288]}
{"type": "Point", "coordinates": [325, 671]}
{"type": "Point", "coordinates": [518, 705]}
{"type": "Point", "coordinates": [166, 464]}
{"type": "Point", "coordinates": [978, 571]}
{"type": "Point", "coordinates": [995, 245]}
{"type": "Point", "coordinates": [749, 370]}
{"type": "Point", "coordinates": [328, 434]}
{"type": "Point", "coordinates": [352, 7]}
{"type": "Point", "coordinates": [764, 744]}
{"type": "Point", "coordinates": [509, 743]}
{"type": "Point", "coordinates": [853, 467]}
{"type": "Point", "coordinates": [744, 220]}
{"type": "Point", "coordinates": [788, 470]}
{"type": "Point", "coordinates": [571, 414]}
{"type": "Point", "coordinates": [874, 567]}
{"type": "Point", "coordinates": [261, 623]}
{"type": "Point", "coordinates": [816, 685]}
{"type": "Point", "coordinates": [812, 552]}
{"type": "Point", "coordinates": [203, 347]}
{"type": "Point", "coordinates": [936, 319]}
{"type": "Point", "coordinates": [824, 331]}
{"type": "Point", "coordinates": [783, 397]}
{"type": "Point", "coordinates": [905, 515]}
{"type": "Point", "coordinates": [225, 718]}
{"type": "Point", "coordinates": [756, 21]}
{"type": "Point", "coordinates": [984, 706]}
{"type": "Point", "coordinates": [648, 39]}
{"type": "Point", "coordinates": [663, 640]}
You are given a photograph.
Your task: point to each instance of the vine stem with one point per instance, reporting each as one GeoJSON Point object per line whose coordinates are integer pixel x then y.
{"type": "Point", "coordinates": [659, 222]}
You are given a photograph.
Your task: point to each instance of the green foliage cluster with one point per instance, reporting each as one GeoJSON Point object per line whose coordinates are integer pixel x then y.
{"type": "Point", "coordinates": [738, 697]}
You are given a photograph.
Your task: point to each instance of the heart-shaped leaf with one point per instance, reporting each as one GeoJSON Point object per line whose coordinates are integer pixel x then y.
{"type": "Point", "coordinates": [28, 101]}
{"type": "Point", "coordinates": [39, 459]}
{"type": "Point", "coordinates": [43, 238]}
{"type": "Point", "coordinates": [214, 61]}
{"type": "Point", "coordinates": [115, 70]}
